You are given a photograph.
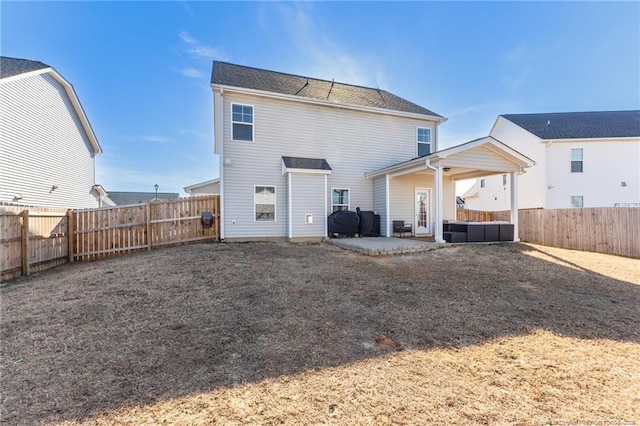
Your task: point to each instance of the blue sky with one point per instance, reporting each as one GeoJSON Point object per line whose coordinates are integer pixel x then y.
{"type": "Point", "coordinates": [141, 69]}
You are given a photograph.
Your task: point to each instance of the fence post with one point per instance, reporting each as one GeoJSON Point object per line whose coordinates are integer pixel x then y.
{"type": "Point", "coordinates": [70, 236]}
{"type": "Point", "coordinates": [148, 226]}
{"type": "Point", "coordinates": [25, 242]}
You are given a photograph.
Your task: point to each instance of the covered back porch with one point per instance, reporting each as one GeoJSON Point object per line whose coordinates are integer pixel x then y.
{"type": "Point", "coordinates": [421, 191]}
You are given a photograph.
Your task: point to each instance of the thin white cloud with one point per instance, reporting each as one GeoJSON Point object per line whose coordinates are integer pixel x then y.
{"type": "Point", "coordinates": [191, 72]}
{"type": "Point", "coordinates": [317, 54]}
{"type": "Point", "coordinates": [146, 138]}
{"type": "Point", "coordinates": [197, 50]}
{"type": "Point", "coordinates": [155, 139]}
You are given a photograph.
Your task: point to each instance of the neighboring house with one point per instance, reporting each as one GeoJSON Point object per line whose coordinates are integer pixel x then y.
{"type": "Point", "coordinates": [208, 187]}
{"type": "Point", "coordinates": [47, 146]}
{"type": "Point", "coordinates": [294, 149]}
{"type": "Point", "coordinates": [122, 198]}
{"type": "Point", "coordinates": [583, 159]}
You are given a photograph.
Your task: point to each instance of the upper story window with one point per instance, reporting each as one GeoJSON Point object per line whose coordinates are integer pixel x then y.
{"type": "Point", "coordinates": [339, 199]}
{"type": "Point", "coordinates": [481, 183]}
{"type": "Point", "coordinates": [242, 122]}
{"type": "Point", "coordinates": [424, 141]}
{"type": "Point", "coordinates": [264, 200]}
{"type": "Point", "coordinates": [576, 160]}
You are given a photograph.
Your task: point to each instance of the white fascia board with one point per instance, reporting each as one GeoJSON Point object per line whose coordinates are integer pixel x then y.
{"type": "Point", "coordinates": [286, 170]}
{"type": "Point", "coordinates": [263, 93]}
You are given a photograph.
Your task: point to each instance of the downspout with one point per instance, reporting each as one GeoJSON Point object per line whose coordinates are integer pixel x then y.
{"type": "Point", "coordinates": [220, 136]}
{"type": "Point", "coordinates": [326, 208]}
{"type": "Point", "coordinates": [290, 206]}
{"type": "Point", "coordinates": [438, 181]}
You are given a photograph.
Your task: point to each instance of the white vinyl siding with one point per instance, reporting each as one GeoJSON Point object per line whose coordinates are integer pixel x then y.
{"type": "Point", "coordinates": [379, 202]}
{"type": "Point", "coordinates": [343, 137]}
{"type": "Point", "coordinates": [307, 192]}
{"type": "Point", "coordinates": [42, 144]}
{"type": "Point", "coordinates": [607, 164]}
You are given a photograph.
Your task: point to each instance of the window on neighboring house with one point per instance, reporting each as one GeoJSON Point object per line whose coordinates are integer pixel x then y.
{"type": "Point", "coordinates": [264, 199]}
{"type": "Point", "coordinates": [339, 199]}
{"type": "Point", "coordinates": [481, 183]}
{"type": "Point", "coordinates": [577, 201]}
{"type": "Point", "coordinates": [576, 160]}
{"type": "Point", "coordinates": [242, 122]}
{"type": "Point", "coordinates": [424, 141]}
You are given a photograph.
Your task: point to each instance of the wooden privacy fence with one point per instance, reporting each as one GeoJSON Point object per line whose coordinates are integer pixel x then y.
{"type": "Point", "coordinates": [33, 239]}
{"type": "Point", "coordinates": [612, 230]}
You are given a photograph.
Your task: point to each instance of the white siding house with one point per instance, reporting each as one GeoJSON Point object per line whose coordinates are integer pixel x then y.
{"type": "Point", "coordinates": [583, 159]}
{"type": "Point", "coordinates": [208, 187]}
{"type": "Point", "coordinates": [294, 149]}
{"type": "Point", "coordinates": [47, 146]}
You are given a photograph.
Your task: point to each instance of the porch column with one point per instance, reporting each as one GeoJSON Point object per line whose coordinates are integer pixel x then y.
{"type": "Point", "coordinates": [387, 206]}
{"type": "Point", "coordinates": [439, 208]}
{"type": "Point", "coordinates": [514, 205]}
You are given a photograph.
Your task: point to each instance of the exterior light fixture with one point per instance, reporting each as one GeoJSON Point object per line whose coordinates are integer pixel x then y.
{"type": "Point", "coordinates": [156, 187]}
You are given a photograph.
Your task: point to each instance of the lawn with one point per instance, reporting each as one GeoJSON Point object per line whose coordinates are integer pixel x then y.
{"type": "Point", "coordinates": [273, 333]}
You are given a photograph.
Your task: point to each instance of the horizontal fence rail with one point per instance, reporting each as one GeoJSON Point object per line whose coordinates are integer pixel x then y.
{"type": "Point", "coordinates": [34, 239]}
{"type": "Point", "coordinates": [611, 230]}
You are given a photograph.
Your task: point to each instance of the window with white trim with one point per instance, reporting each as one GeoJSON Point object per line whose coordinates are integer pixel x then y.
{"type": "Point", "coordinates": [242, 122]}
{"type": "Point", "coordinates": [339, 199]}
{"type": "Point", "coordinates": [576, 160]}
{"type": "Point", "coordinates": [577, 201]}
{"type": "Point", "coordinates": [481, 183]}
{"type": "Point", "coordinates": [424, 141]}
{"type": "Point", "coordinates": [264, 201]}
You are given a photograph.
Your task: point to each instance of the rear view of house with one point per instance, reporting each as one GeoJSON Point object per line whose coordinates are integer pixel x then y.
{"type": "Point", "coordinates": [294, 149]}
{"type": "Point", "coordinates": [47, 146]}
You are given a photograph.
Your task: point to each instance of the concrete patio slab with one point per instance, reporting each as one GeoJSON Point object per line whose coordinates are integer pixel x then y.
{"type": "Point", "coordinates": [384, 246]}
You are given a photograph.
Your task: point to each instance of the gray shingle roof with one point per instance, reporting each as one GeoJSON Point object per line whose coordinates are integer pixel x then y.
{"type": "Point", "coordinates": [580, 125]}
{"type": "Point", "coordinates": [227, 74]}
{"type": "Point", "coordinates": [14, 66]}
{"type": "Point", "coordinates": [306, 163]}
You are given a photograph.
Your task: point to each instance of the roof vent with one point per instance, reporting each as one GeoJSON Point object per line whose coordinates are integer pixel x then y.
{"type": "Point", "coordinates": [548, 123]}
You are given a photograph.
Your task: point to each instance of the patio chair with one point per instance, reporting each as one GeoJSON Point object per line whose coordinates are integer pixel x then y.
{"type": "Point", "coordinates": [399, 227]}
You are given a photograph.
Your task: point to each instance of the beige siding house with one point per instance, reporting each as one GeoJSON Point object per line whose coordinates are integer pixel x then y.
{"type": "Point", "coordinates": [47, 146]}
{"type": "Point", "coordinates": [294, 149]}
{"type": "Point", "coordinates": [583, 159]}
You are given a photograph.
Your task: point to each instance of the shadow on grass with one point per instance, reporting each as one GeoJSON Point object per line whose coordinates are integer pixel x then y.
{"type": "Point", "coordinates": [85, 338]}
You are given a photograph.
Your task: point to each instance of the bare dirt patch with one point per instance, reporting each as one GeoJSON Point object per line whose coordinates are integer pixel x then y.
{"type": "Point", "coordinates": [294, 333]}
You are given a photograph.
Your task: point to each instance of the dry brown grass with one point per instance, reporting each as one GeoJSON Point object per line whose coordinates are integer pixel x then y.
{"type": "Point", "coordinates": [277, 333]}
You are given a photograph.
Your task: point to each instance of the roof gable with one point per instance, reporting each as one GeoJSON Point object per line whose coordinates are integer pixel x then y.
{"type": "Point", "coordinates": [227, 74]}
{"type": "Point", "coordinates": [579, 125]}
{"type": "Point", "coordinates": [15, 70]}
{"type": "Point", "coordinates": [14, 66]}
